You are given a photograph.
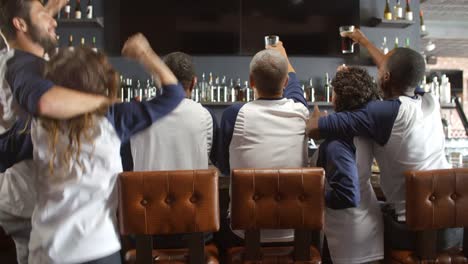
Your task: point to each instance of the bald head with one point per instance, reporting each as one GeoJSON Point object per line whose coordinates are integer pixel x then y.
{"type": "Point", "coordinates": [268, 71]}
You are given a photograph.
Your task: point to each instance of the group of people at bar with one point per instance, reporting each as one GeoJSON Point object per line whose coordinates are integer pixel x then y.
{"type": "Point", "coordinates": [65, 138]}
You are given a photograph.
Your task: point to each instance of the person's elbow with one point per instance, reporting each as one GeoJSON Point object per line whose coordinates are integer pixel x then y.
{"type": "Point", "coordinates": [338, 202]}
{"type": "Point", "coordinates": [46, 106]}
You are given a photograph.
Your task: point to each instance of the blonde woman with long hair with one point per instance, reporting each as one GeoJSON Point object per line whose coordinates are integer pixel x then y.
{"type": "Point", "coordinates": [79, 159]}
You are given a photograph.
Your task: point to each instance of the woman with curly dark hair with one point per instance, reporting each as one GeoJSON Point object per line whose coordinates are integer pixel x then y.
{"type": "Point", "coordinates": [353, 223]}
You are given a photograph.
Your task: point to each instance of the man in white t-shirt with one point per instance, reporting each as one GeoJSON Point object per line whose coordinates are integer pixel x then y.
{"type": "Point", "coordinates": [407, 132]}
{"type": "Point", "coordinates": [185, 139]}
{"type": "Point", "coordinates": [270, 131]}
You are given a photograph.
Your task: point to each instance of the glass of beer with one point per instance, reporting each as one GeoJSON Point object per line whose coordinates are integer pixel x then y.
{"type": "Point", "coordinates": [271, 40]}
{"type": "Point", "coordinates": [347, 44]}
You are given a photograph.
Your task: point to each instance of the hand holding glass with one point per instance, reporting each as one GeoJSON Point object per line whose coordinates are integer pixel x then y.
{"type": "Point", "coordinates": [347, 44]}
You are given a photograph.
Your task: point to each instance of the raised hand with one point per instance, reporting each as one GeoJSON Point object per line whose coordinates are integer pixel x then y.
{"type": "Point", "coordinates": [137, 47]}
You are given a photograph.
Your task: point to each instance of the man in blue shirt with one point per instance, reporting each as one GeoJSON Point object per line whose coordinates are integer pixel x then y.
{"type": "Point", "coordinates": [29, 29]}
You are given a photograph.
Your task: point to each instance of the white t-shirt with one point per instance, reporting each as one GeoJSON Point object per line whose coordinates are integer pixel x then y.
{"type": "Point", "coordinates": [417, 142]}
{"type": "Point", "coordinates": [182, 140]}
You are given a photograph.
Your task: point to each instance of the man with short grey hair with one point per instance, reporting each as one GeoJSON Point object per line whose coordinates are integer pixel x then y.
{"type": "Point", "coordinates": [270, 131]}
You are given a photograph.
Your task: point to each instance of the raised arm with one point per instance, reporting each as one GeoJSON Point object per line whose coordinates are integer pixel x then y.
{"type": "Point", "coordinates": [360, 38]}
{"type": "Point", "coordinates": [130, 118]}
{"type": "Point", "coordinates": [41, 97]}
{"type": "Point", "coordinates": [375, 121]}
{"type": "Point", "coordinates": [138, 48]}
{"type": "Point", "coordinates": [293, 90]}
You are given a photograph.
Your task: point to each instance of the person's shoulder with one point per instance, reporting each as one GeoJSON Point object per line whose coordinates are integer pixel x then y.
{"type": "Point", "coordinates": [21, 59]}
{"type": "Point", "coordinates": [385, 106]}
{"type": "Point", "coordinates": [233, 109]}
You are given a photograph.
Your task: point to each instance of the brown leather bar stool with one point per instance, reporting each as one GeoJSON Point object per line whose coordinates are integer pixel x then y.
{"type": "Point", "coordinates": [277, 199]}
{"type": "Point", "coordinates": [435, 199]}
{"type": "Point", "coordinates": [169, 202]}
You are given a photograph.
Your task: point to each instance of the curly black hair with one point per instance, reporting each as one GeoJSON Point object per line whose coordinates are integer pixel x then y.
{"type": "Point", "coordinates": [353, 87]}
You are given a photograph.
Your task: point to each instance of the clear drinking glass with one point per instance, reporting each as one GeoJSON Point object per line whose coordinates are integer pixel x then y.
{"type": "Point", "coordinates": [271, 40]}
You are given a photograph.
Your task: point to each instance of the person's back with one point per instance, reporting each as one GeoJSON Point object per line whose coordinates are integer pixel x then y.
{"type": "Point", "coordinates": [270, 131]}
{"type": "Point", "coordinates": [185, 138]}
{"type": "Point", "coordinates": [417, 142]}
{"type": "Point", "coordinates": [180, 141]}
{"type": "Point", "coordinates": [74, 219]}
{"type": "Point", "coordinates": [79, 201]}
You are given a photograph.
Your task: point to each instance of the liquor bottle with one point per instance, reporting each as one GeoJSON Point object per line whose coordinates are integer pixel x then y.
{"type": "Point", "coordinates": [203, 89]}
{"type": "Point", "coordinates": [398, 11]}
{"type": "Point", "coordinates": [232, 89]}
{"type": "Point", "coordinates": [70, 42]}
{"type": "Point", "coordinates": [89, 10]}
{"type": "Point", "coordinates": [240, 95]}
{"type": "Point", "coordinates": [67, 10]}
{"type": "Point", "coordinates": [196, 93]}
{"type": "Point", "coordinates": [122, 89]}
{"type": "Point", "coordinates": [82, 42]}
{"type": "Point", "coordinates": [327, 88]}
{"type": "Point", "coordinates": [384, 47]}
{"type": "Point", "coordinates": [211, 88]}
{"type": "Point", "coordinates": [94, 48]}
{"type": "Point", "coordinates": [310, 91]}
{"type": "Point", "coordinates": [407, 43]}
{"type": "Point", "coordinates": [247, 91]}
{"type": "Point", "coordinates": [78, 9]}
{"type": "Point", "coordinates": [421, 21]}
{"type": "Point", "coordinates": [387, 12]}
{"type": "Point", "coordinates": [129, 90]}
{"type": "Point", "coordinates": [217, 88]}
{"type": "Point", "coordinates": [408, 12]}
{"type": "Point", "coordinates": [396, 43]}
{"type": "Point", "coordinates": [225, 90]}
{"type": "Point", "coordinates": [138, 91]}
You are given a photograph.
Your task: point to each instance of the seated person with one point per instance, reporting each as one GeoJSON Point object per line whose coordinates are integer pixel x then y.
{"type": "Point", "coordinates": [183, 140]}
{"type": "Point", "coordinates": [189, 132]}
{"type": "Point", "coordinates": [353, 222]}
{"type": "Point", "coordinates": [79, 159]}
{"type": "Point", "coordinates": [269, 131]}
{"type": "Point", "coordinates": [407, 134]}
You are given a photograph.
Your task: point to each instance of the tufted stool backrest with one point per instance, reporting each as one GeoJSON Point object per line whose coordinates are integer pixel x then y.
{"type": "Point", "coordinates": [436, 199]}
{"type": "Point", "coordinates": [277, 199]}
{"type": "Point", "coordinates": [168, 202]}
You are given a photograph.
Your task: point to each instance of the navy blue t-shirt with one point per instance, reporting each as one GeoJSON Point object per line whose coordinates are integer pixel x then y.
{"type": "Point", "coordinates": [338, 157]}
{"type": "Point", "coordinates": [25, 76]}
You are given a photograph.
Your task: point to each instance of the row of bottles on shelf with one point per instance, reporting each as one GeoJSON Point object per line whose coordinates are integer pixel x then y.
{"type": "Point", "coordinates": [71, 43]}
{"type": "Point", "coordinates": [129, 91]}
{"type": "Point", "coordinates": [384, 46]}
{"type": "Point", "coordinates": [219, 90]}
{"type": "Point", "coordinates": [215, 89]}
{"type": "Point", "coordinates": [397, 13]}
{"type": "Point", "coordinates": [77, 11]}
{"type": "Point", "coordinates": [441, 90]}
